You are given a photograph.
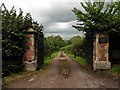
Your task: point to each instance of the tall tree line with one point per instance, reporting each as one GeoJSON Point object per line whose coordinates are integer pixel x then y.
{"type": "Point", "coordinates": [75, 45]}
{"type": "Point", "coordinates": [53, 43]}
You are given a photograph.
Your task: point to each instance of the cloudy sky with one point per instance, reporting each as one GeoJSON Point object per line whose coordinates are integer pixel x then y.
{"type": "Point", "coordinates": [55, 15]}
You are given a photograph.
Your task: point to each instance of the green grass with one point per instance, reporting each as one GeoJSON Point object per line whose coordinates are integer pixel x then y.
{"type": "Point", "coordinates": [47, 59]}
{"type": "Point", "coordinates": [80, 60]}
{"type": "Point", "coordinates": [116, 69]}
{"type": "Point", "coordinates": [17, 76]}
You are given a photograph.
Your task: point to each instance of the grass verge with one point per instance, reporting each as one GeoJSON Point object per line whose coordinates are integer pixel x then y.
{"type": "Point", "coordinates": [80, 60]}
{"type": "Point", "coordinates": [116, 69]}
{"type": "Point", "coordinates": [47, 59]}
{"type": "Point", "coordinates": [23, 74]}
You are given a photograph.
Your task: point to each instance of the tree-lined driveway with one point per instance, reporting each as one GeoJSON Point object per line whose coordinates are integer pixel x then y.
{"type": "Point", "coordinates": [78, 78]}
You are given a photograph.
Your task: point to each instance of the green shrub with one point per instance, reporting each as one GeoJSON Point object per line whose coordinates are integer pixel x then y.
{"type": "Point", "coordinates": [14, 27]}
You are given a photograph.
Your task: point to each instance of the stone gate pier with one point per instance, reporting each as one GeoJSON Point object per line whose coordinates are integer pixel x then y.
{"type": "Point", "coordinates": [101, 51]}
{"type": "Point", "coordinates": [30, 58]}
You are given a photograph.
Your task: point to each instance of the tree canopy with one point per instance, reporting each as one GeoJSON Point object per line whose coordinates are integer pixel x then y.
{"type": "Point", "coordinates": [75, 43]}
{"type": "Point", "coordinates": [53, 43]}
{"type": "Point", "coordinates": [13, 28]}
{"type": "Point", "coordinates": [98, 16]}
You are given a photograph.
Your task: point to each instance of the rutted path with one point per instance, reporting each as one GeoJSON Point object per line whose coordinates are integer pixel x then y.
{"type": "Point", "coordinates": [78, 78]}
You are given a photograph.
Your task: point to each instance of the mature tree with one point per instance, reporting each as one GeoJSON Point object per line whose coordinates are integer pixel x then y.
{"type": "Point", "coordinates": [57, 41]}
{"type": "Point", "coordinates": [75, 43]}
{"type": "Point", "coordinates": [77, 40]}
{"type": "Point", "coordinates": [97, 17]}
{"type": "Point", "coordinates": [78, 44]}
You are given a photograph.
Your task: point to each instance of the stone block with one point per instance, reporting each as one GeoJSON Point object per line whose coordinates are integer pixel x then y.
{"type": "Point", "coordinates": [101, 65]}
{"type": "Point", "coordinates": [31, 66]}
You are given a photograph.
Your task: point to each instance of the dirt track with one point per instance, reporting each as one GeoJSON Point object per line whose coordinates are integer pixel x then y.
{"type": "Point", "coordinates": [78, 78]}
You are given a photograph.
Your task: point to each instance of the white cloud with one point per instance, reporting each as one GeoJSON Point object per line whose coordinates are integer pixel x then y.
{"type": "Point", "coordinates": [55, 15]}
{"type": "Point", "coordinates": [59, 25]}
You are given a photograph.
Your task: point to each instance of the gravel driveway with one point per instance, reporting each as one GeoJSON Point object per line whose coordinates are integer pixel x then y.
{"type": "Point", "coordinates": [78, 78]}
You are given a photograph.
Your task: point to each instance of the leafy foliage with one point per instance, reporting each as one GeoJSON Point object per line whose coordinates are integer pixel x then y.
{"type": "Point", "coordinates": [75, 43]}
{"type": "Point", "coordinates": [98, 16]}
{"type": "Point", "coordinates": [53, 43]}
{"type": "Point", "coordinates": [14, 27]}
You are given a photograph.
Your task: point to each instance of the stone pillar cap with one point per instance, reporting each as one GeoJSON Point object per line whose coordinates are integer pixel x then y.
{"type": "Point", "coordinates": [31, 30]}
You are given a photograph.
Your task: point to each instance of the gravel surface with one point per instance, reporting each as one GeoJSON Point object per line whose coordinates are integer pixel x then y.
{"type": "Point", "coordinates": [77, 77]}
